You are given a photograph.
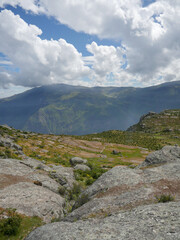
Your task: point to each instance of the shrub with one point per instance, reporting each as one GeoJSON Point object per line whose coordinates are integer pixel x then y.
{"type": "Point", "coordinates": [89, 181]}
{"type": "Point", "coordinates": [74, 192]}
{"type": "Point", "coordinates": [61, 190]}
{"type": "Point", "coordinates": [165, 198]}
{"type": "Point", "coordinates": [84, 198]}
{"type": "Point", "coordinates": [10, 225]}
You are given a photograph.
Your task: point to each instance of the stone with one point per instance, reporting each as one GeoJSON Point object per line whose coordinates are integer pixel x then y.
{"type": "Point", "coordinates": [77, 160]}
{"type": "Point", "coordinates": [165, 155]}
{"type": "Point", "coordinates": [152, 222]}
{"type": "Point", "coordinates": [17, 190]}
{"type": "Point", "coordinates": [82, 167]}
{"type": "Point", "coordinates": [65, 175]}
{"type": "Point", "coordinates": [32, 200]}
{"type": "Point", "coordinates": [115, 152]}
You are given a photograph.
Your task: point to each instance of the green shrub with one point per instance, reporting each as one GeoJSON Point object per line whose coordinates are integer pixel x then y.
{"type": "Point", "coordinates": [165, 198]}
{"type": "Point", "coordinates": [89, 181]}
{"type": "Point", "coordinates": [74, 192]}
{"type": "Point", "coordinates": [84, 198]}
{"type": "Point", "coordinates": [10, 225]}
{"type": "Point", "coordinates": [61, 190]}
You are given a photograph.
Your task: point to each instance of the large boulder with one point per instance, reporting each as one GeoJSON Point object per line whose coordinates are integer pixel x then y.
{"type": "Point", "coordinates": [77, 160]}
{"type": "Point", "coordinates": [32, 200]}
{"type": "Point", "coordinates": [153, 222]}
{"type": "Point", "coordinates": [165, 155]}
{"type": "Point", "coordinates": [30, 190]}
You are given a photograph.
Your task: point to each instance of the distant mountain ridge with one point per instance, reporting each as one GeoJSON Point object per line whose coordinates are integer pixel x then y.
{"type": "Point", "coordinates": [65, 109]}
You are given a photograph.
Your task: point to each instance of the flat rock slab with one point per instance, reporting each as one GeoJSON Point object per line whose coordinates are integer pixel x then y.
{"type": "Point", "coordinates": [19, 189]}
{"type": "Point", "coordinates": [116, 176]}
{"type": "Point", "coordinates": [32, 200]}
{"type": "Point", "coordinates": [152, 222]}
{"type": "Point", "coordinates": [125, 188]}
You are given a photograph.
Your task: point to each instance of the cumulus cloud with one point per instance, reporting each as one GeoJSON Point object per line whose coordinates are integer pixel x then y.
{"type": "Point", "coordinates": [150, 37]}
{"type": "Point", "coordinates": [39, 61]}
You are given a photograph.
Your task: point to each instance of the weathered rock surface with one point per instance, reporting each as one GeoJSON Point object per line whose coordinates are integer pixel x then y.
{"type": "Point", "coordinates": [17, 189]}
{"type": "Point", "coordinates": [63, 175]}
{"type": "Point", "coordinates": [124, 188]}
{"type": "Point", "coordinates": [152, 222]}
{"type": "Point", "coordinates": [7, 142]}
{"type": "Point", "coordinates": [165, 155]}
{"type": "Point", "coordinates": [82, 167]}
{"type": "Point", "coordinates": [117, 176]}
{"type": "Point", "coordinates": [32, 200]}
{"type": "Point", "coordinates": [77, 160]}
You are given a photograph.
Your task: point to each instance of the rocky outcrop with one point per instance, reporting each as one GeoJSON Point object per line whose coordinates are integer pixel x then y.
{"type": "Point", "coordinates": [123, 204]}
{"type": "Point", "coordinates": [32, 200]}
{"type": "Point", "coordinates": [26, 186]}
{"type": "Point", "coordinates": [152, 222]}
{"type": "Point", "coordinates": [166, 155]}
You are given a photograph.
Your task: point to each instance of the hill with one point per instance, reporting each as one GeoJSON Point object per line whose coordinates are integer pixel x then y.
{"type": "Point", "coordinates": [167, 121]}
{"type": "Point", "coordinates": [64, 109]}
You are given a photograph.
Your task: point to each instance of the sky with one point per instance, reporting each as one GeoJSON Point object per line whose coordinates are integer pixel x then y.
{"type": "Point", "coordinates": [90, 43]}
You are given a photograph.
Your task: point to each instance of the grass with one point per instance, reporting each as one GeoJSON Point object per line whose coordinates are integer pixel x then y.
{"type": "Point", "coordinates": [27, 224]}
{"type": "Point", "coordinates": [165, 198]}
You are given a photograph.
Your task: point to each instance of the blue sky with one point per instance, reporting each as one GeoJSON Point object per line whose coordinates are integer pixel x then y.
{"type": "Point", "coordinates": [119, 43]}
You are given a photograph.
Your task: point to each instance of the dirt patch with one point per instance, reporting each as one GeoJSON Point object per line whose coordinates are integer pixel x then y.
{"type": "Point", "coordinates": [167, 187]}
{"type": "Point", "coordinates": [117, 190]}
{"type": "Point", "coordinates": [7, 180]}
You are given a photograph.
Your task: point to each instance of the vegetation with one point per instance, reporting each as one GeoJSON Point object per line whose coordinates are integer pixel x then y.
{"type": "Point", "coordinates": [14, 226]}
{"type": "Point", "coordinates": [63, 109]}
{"type": "Point", "coordinates": [165, 198]}
{"type": "Point", "coordinates": [127, 138]}
{"type": "Point", "coordinates": [89, 176]}
{"type": "Point", "coordinates": [74, 192]}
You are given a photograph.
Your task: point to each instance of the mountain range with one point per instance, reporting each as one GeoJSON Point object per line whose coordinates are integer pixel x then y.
{"type": "Point", "coordinates": [65, 109]}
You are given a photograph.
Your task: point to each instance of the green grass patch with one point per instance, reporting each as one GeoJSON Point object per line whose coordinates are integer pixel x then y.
{"type": "Point", "coordinates": [16, 226]}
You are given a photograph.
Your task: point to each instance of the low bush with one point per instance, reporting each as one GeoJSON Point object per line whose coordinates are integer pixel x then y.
{"type": "Point", "coordinates": [10, 225]}
{"type": "Point", "coordinates": [165, 198]}
{"type": "Point", "coordinates": [62, 190]}
{"type": "Point", "coordinates": [81, 200]}
{"type": "Point", "coordinates": [74, 192]}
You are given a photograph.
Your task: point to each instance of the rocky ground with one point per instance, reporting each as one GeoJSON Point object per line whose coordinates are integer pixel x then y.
{"type": "Point", "coordinates": [126, 202]}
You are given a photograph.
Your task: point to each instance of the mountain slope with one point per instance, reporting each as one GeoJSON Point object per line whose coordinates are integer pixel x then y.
{"type": "Point", "coordinates": [167, 121]}
{"type": "Point", "coordinates": [64, 109]}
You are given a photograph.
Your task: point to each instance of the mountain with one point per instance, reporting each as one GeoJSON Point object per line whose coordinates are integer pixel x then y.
{"type": "Point", "coordinates": [65, 109]}
{"type": "Point", "coordinates": [167, 121]}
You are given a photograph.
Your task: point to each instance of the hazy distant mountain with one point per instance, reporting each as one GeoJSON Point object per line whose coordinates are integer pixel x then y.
{"type": "Point", "coordinates": [64, 109]}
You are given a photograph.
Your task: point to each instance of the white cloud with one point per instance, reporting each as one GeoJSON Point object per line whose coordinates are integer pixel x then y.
{"type": "Point", "coordinates": [150, 36]}
{"type": "Point", "coordinates": [29, 5]}
{"type": "Point", "coordinates": [39, 61]}
{"type": "Point", "coordinates": [105, 60]}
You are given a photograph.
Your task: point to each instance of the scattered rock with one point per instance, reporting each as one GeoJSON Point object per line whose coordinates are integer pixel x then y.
{"type": "Point", "coordinates": [115, 152]}
{"type": "Point", "coordinates": [77, 160]}
{"type": "Point", "coordinates": [82, 167]}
